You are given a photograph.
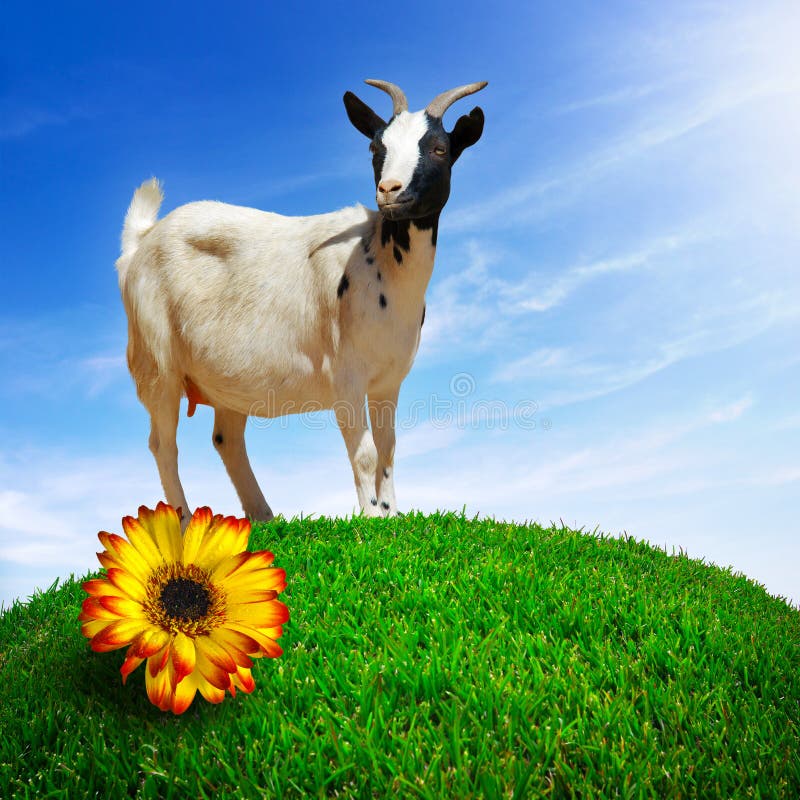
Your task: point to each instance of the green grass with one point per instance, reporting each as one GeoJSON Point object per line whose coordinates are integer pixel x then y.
{"type": "Point", "coordinates": [435, 656]}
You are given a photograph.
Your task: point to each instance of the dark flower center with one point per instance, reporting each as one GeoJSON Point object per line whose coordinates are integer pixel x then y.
{"type": "Point", "coordinates": [186, 599]}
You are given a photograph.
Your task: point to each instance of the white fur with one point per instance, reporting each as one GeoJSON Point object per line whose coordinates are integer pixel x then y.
{"type": "Point", "coordinates": [401, 140]}
{"type": "Point", "coordinates": [243, 303]}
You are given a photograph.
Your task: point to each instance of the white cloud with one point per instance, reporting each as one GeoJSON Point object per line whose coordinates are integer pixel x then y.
{"type": "Point", "coordinates": [100, 371]}
{"type": "Point", "coordinates": [462, 305]}
{"type": "Point", "coordinates": [789, 423]}
{"type": "Point", "coordinates": [574, 277]}
{"type": "Point", "coordinates": [732, 412]}
{"type": "Point", "coordinates": [19, 122]}
{"type": "Point", "coordinates": [621, 96]}
{"type": "Point", "coordinates": [738, 71]}
{"type": "Point", "coordinates": [578, 374]}
{"type": "Point", "coordinates": [427, 437]}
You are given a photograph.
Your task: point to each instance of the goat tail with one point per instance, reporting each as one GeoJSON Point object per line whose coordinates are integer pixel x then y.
{"type": "Point", "coordinates": [141, 216]}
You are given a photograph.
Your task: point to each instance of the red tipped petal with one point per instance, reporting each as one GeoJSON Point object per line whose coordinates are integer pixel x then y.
{"type": "Point", "coordinates": [115, 635]}
{"type": "Point", "coordinates": [269, 647]}
{"type": "Point", "coordinates": [209, 692]}
{"type": "Point", "coordinates": [242, 679]}
{"type": "Point", "coordinates": [129, 665]}
{"type": "Point", "coordinates": [149, 642]}
{"type": "Point", "coordinates": [251, 596]}
{"type": "Point", "coordinates": [259, 615]}
{"type": "Point", "coordinates": [183, 694]}
{"type": "Point", "coordinates": [157, 662]}
{"type": "Point", "coordinates": [123, 551]}
{"type": "Point", "coordinates": [98, 587]}
{"type": "Point", "coordinates": [261, 577]}
{"type": "Point", "coordinates": [216, 676]}
{"type": "Point", "coordinates": [166, 530]}
{"type": "Point", "coordinates": [158, 688]}
{"type": "Point", "coordinates": [196, 531]}
{"type": "Point", "coordinates": [235, 642]}
{"type": "Point", "coordinates": [215, 653]}
{"type": "Point", "coordinates": [221, 542]}
{"type": "Point", "coordinates": [183, 657]}
{"type": "Point", "coordinates": [92, 627]}
{"type": "Point", "coordinates": [93, 608]}
{"type": "Point", "coordinates": [141, 538]}
{"type": "Point", "coordinates": [121, 606]}
{"type": "Point", "coordinates": [127, 584]}
{"type": "Point", "coordinates": [109, 561]}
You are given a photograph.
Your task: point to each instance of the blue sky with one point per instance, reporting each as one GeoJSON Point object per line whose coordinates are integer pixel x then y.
{"type": "Point", "coordinates": [613, 321]}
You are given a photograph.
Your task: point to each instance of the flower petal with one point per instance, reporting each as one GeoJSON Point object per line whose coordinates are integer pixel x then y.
{"type": "Point", "coordinates": [122, 550]}
{"type": "Point", "coordinates": [158, 687]}
{"type": "Point", "coordinates": [141, 538]}
{"type": "Point", "coordinates": [242, 679]}
{"type": "Point", "coordinates": [269, 647]}
{"type": "Point", "coordinates": [183, 694]}
{"type": "Point", "coordinates": [108, 560]}
{"type": "Point", "coordinates": [99, 587]}
{"type": "Point", "coordinates": [115, 635]}
{"type": "Point", "coordinates": [127, 584]}
{"type": "Point", "coordinates": [238, 644]}
{"type": "Point", "coordinates": [239, 565]}
{"type": "Point", "coordinates": [213, 674]}
{"type": "Point", "coordinates": [183, 657]}
{"type": "Point", "coordinates": [196, 531]}
{"type": "Point", "coordinates": [259, 615]}
{"type": "Point", "coordinates": [208, 691]}
{"type": "Point", "coordinates": [219, 544]}
{"type": "Point", "coordinates": [129, 665]}
{"type": "Point", "coordinates": [149, 642]}
{"type": "Point", "coordinates": [215, 653]}
{"type": "Point", "coordinates": [159, 662]}
{"type": "Point", "coordinates": [167, 533]}
{"type": "Point", "coordinates": [238, 596]}
{"type": "Point", "coordinates": [92, 608]}
{"type": "Point", "coordinates": [266, 578]}
{"type": "Point", "coordinates": [122, 607]}
{"type": "Point", "coordinates": [92, 627]}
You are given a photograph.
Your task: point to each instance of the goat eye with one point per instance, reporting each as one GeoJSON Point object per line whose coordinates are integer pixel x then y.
{"type": "Point", "coordinates": [440, 150]}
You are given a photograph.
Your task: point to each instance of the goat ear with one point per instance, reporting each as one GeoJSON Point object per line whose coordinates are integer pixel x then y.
{"type": "Point", "coordinates": [362, 116]}
{"type": "Point", "coordinates": [466, 132]}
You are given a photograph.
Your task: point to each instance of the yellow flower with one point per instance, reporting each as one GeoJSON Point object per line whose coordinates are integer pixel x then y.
{"type": "Point", "coordinates": [197, 607]}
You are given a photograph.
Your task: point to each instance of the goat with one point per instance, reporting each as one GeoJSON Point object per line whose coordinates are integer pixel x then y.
{"type": "Point", "coordinates": [259, 314]}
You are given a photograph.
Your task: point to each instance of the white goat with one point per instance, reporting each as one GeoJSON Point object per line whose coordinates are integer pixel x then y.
{"type": "Point", "coordinates": [259, 314]}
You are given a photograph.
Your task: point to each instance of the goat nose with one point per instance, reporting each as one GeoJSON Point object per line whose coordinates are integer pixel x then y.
{"type": "Point", "coordinates": [389, 185]}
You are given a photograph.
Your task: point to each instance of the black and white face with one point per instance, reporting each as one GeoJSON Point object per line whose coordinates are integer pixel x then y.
{"type": "Point", "coordinates": [411, 160]}
{"type": "Point", "coordinates": [412, 156]}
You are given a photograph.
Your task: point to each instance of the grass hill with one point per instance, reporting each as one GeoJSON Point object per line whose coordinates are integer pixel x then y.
{"type": "Point", "coordinates": [435, 656]}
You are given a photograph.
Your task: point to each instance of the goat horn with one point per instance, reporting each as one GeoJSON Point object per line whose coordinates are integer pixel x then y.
{"type": "Point", "coordinates": [443, 101]}
{"type": "Point", "coordinates": [395, 92]}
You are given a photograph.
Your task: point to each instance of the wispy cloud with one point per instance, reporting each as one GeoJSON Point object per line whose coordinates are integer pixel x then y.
{"type": "Point", "coordinates": [427, 437]}
{"type": "Point", "coordinates": [789, 423]}
{"type": "Point", "coordinates": [59, 350]}
{"type": "Point", "coordinates": [20, 122]}
{"type": "Point", "coordinates": [718, 68]}
{"type": "Point", "coordinates": [733, 411]}
{"type": "Point", "coordinates": [574, 277]}
{"type": "Point", "coordinates": [101, 371]}
{"type": "Point", "coordinates": [539, 196]}
{"type": "Point", "coordinates": [576, 374]}
{"type": "Point", "coordinates": [620, 96]}
{"type": "Point", "coordinates": [462, 306]}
